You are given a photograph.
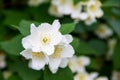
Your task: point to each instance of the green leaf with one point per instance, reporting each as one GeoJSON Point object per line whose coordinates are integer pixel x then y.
{"type": "Point", "coordinates": [111, 3]}
{"type": "Point", "coordinates": [76, 1]}
{"type": "Point", "coordinates": [82, 47]}
{"type": "Point", "coordinates": [25, 72]}
{"type": "Point", "coordinates": [115, 24]}
{"type": "Point", "coordinates": [14, 77]}
{"type": "Point", "coordinates": [116, 57]}
{"type": "Point", "coordinates": [13, 46]}
{"type": "Point", "coordinates": [67, 28]}
{"type": "Point", "coordinates": [62, 74]}
{"type": "Point", "coordinates": [14, 17]}
{"type": "Point", "coordinates": [24, 27]}
{"type": "Point", "coordinates": [1, 77]}
{"type": "Point", "coordinates": [99, 46]}
{"type": "Point", "coordinates": [93, 65]}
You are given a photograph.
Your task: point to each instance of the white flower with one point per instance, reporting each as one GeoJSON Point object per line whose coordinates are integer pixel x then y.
{"type": "Point", "coordinates": [78, 64]}
{"type": "Point", "coordinates": [79, 11]}
{"type": "Point", "coordinates": [85, 76]}
{"type": "Point", "coordinates": [43, 38]}
{"type": "Point", "coordinates": [2, 61]}
{"type": "Point", "coordinates": [53, 10]}
{"type": "Point", "coordinates": [38, 59]}
{"type": "Point", "coordinates": [103, 31]}
{"type": "Point", "coordinates": [64, 6]}
{"type": "Point", "coordinates": [60, 56]}
{"type": "Point", "coordinates": [102, 78]}
{"type": "Point", "coordinates": [94, 8]}
{"type": "Point", "coordinates": [115, 75]}
{"type": "Point", "coordinates": [7, 74]}
{"type": "Point", "coordinates": [111, 46]}
{"type": "Point", "coordinates": [90, 20]}
{"type": "Point", "coordinates": [36, 2]}
{"type": "Point", "coordinates": [47, 46]}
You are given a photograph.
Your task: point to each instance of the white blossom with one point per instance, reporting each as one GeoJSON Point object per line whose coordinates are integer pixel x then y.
{"type": "Point", "coordinates": [36, 2]}
{"type": "Point", "coordinates": [111, 45]}
{"type": "Point", "coordinates": [64, 6]}
{"type": "Point", "coordinates": [2, 61]}
{"type": "Point", "coordinates": [115, 75]}
{"type": "Point", "coordinates": [102, 78]}
{"type": "Point", "coordinates": [78, 64]}
{"type": "Point", "coordinates": [62, 52]}
{"type": "Point", "coordinates": [7, 74]}
{"type": "Point", "coordinates": [94, 8]}
{"type": "Point", "coordinates": [103, 31]}
{"type": "Point", "coordinates": [90, 20]}
{"type": "Point", "coordinates": [47, 46]}
{"type": "Point", "coordinates": [79, 11]}
{"type": "Point", "coordinates": [85, 76]}
{"type": "Point", "coordinates": [37, 59]}
{"type": "Point", "coordinates": [43, 38]}
{"type": "Point", "coordinates": [53, 10]}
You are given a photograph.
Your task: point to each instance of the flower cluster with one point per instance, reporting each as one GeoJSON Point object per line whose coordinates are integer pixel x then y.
{"type": "Point", "coordinates": [46, 45]}
{"type": "Point", "coordinates": [78, 64]}
{"type": "Point", "coordinates": [86, 11]}
{"type": "Point", "coordinates": [103, 31]}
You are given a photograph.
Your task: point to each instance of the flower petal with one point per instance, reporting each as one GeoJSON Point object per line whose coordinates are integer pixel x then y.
{"type": "Point", "coordinates": [33, 28]}
{"type": "Point", "coordinates": [26, 42]}
{"type": "Point", "coordinates": [68, 51]}
{"type": "Point", "coordinates": [56, 38]}
{"type": "Point", "coordinates": [56, 25]}
{"type": "Point", "coordinates": [64, 63]}
{"type": "Point", "coordinates": [48, 49]}
{"type": "Point", "coordinates": [67, 39]}
{"type": "Point", "coordinates": [37, 64]}
{"type": "Point", "coordinates": [54, 64]}
{"type": "Point", "coordinates": [27, 53]}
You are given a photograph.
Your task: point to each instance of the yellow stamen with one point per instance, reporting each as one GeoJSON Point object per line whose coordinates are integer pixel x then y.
{"type": "Point", "coordinates": [38, 55]}
{"type": "Point", "coordinates": [57, 53]}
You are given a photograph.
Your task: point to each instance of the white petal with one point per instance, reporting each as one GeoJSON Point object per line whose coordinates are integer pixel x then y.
{"type": "Point", "coordinates": [105, 78]}
{"type": "Point", "coordinates": [85, 60]}
{"type": "Point", "coordinates": [68, 51]}
{"type": "Point", "coordinates": [54, 64]}
{"type": "Point", "coordinates": [67, 39]}
{"type": "Point", "coordinates": [36, 49]}
{"type": "Point", "coordinates": [83, 16]}
{"type": "Point", "coordinates": [26, 43]}
{"type": "Point", "coordinates": [32, 28]}
{"type": "Point", "coordinates": [93, 75]}
{"type": "Point", "coordinates": [56, 38]}
{"type": "Point", "coordinates": [56, 25]}
{"type": "Point", "coordinates": [48, 49]}
{"type": "Point", "coordinates": [37, 64]}
{"type": "Point", "coordinates": [27, 53]}
{"type": "Point", "coordinates": [64, 63]}
{"type": "Point", "coordinates": [2, 64]}
{"type": "Point", "coordinates": [44, 27]}
{"type": "Point", "coordinates": [99, 13]}
{"type": "Point", "coordinates": [81, 69]}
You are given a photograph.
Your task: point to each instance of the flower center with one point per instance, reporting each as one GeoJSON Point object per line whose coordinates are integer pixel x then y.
{"type": "Point", "coordinates": [93, 8]}
{"type": "Point", "coordinates": [57, 52]}
{"type": "Point", "coordinates": [38, 55]}
{"type": "Point", "coordinates": [55, 9]}
{"type": "Point", "coordinates": [45, 40]}
{"type": "Point", "coordinates": [80, 63]}
{"type": "Point", "coordinates": [62, 1]}
{"type": "Point", "coordinates": [82, 77]}
{"type": "Point", "coordinates": [102, 30]}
